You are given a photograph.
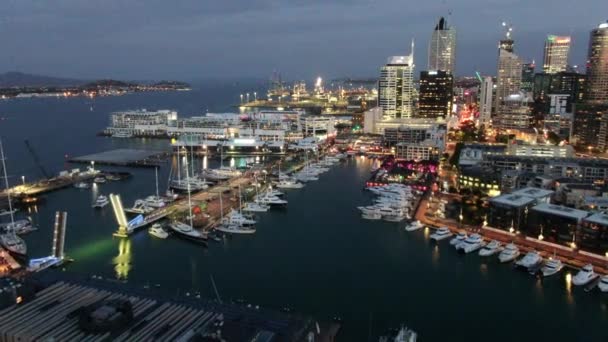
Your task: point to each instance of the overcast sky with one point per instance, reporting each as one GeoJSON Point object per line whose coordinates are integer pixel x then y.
{"type": "Point", "coordinates": [196, 39]}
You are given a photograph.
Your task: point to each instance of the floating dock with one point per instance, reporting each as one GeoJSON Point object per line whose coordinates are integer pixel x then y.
{"type": "Point", "coordinates": [125, 157]}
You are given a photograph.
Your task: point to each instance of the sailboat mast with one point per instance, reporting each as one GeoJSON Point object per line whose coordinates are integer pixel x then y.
{"type": "Point", "coordinates": [189, 195]}
{"type": "Point", "coordinates": [8, 190]}
{"type": "Point", "coordinates": [156, 177]}
{"type": "Point", "coordinates": [240, 200]}
{"type": "Point", "coordinates": [179, 171]}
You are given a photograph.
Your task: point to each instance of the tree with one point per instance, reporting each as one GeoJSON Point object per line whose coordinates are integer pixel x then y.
{"type": "Point", "coordinates": [553, 138]}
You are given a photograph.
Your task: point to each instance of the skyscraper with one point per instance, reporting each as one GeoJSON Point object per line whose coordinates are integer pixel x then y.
{"type": "Point", "coordinates": [597, 65]}
{"type": "Point", "coordinates": [435, 98]}
{"type": "Point", "coordinates": [442, 47]}
{"type": "Point", "coordinates": [508, 79]}
{"type": "Point", "coordinates": [485, 101]}
{"type": "Point", "coordinates": [396, 87]}
{"type": "Point", "coordinates": [556, 54]}
{"type": "Point", "coordinates": [527, 76]}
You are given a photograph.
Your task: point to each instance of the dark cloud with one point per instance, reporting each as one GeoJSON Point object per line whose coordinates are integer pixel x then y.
{"type": "Point", "coordinates": [191, 39]}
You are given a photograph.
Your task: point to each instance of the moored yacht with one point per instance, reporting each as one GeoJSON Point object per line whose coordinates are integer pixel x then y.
{"type": "Point", "coordinates": [157, 231]}
{"type": "Point", "coordinates": [551, 267]}
{"type": "Point", "coordinates": [20, 227]}
{"type": "Point", "coordinates": [415, 225]}
{"type": "Point", "coordinates": [441, 234]}
{"type": "Point", "coordinates": [270, 200]}
{"type": "Point", "coordinates": [101, 202]}
{"type": "Point", "coordinates": [490, 249]}
{"type": "Point", "coordinates": [187, 232]}
{"type": "Point", "coordinates": [471, 243]}
{"type": "Point", "coordinates": [82, 185]}
{"type": "Point", "coordinates": [9, 239]}
{"type": "Point", "coordinates": [234, 217]}
{"type": "Point", "coordinates": [234, 229]}
{"type": "Point", "coordinates": [509, 253]}
{"type": "Point", "coordinates": [372, 214]}
{"type": "Point", "coordinates": [99, 180]}
{"type": "Point", "coordinates": [255, 207]}
{"type": "Point", "coordinates": [458, 239]}
{"type": "Point", "coordinates": [140, 207]}
{"type": "Point", "coordinates": [289, 183]}
{"type": "Point", "coordinates": [603, 284]}
{"type": "Point", "coordinates": [584, 276]}
{"type": "Point", "coordinates": [531, 259]}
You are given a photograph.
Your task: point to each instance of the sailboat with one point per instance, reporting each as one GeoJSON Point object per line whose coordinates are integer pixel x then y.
{"type": "Point", "coordinates": [9, 239]}
{"type": "Point", "coordinates": [232, 227]}
{"type": "Point", "coordinates": [184, 230]}
{"type": "Point", "coordinates": [189, 183]}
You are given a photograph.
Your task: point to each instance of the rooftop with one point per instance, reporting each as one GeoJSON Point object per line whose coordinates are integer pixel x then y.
{"type": "Point", "coordinates": [599, 218]}
{"type": "Point", "coordinates": [512, 200]}
{"type": "Point", "coordinates": [533, 192]}
{"type": "Point", "coordinates": [562, 211]}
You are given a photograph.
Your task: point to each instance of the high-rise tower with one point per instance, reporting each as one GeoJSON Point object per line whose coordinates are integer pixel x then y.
{"type": "Point", "coordinates": [442, 47]}
{"type": "Point", "coordinates": [396, 87]}
{"type": "Point", "coordinates": [556, 54]}
{"type": "Point", "coordinates": [508, 77]}
{"type": "Point", "coordinates": [597, 65]}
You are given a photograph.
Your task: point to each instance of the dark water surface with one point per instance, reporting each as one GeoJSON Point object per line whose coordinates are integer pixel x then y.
{"type": "Point", "coordinates": [317, 256]}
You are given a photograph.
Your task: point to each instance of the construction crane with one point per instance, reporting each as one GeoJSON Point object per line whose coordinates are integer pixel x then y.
{"type": "Point", "coordinates": [36, 159]}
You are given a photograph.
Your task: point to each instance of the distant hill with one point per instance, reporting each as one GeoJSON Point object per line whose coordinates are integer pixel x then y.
{"type": "Point", "coordinates": [19, 79]}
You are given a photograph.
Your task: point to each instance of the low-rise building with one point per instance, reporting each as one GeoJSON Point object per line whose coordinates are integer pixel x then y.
{"type": "Point", "coordinates": [473, 154]}
{"type": "Point", "coordinates": [593, 233]}
{"type": "Point", "coordinates": [509, 212]}
{"type": "Point", "coordinates": [141, 122]}
{"type": "Point", "coordinates": [554, 223]}
{"type": "Point", "coordinates": [425, 150]}
{"type": "Point", "coordinates": [548, 151]}
{"type": "Point", "coordinates": [476, 178]}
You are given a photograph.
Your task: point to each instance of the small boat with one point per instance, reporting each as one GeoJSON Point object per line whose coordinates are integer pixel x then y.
{"type": "Point", "coordinates": [490, 249]}
{"type": "Point", "coordinates": [271, 192]}
{"type": "Point", "coordinates": [20, 227]}
{"type": "Point", "coordinates": [509, 253]}
{"type": "Point", "coordinates": [471, 244]}
{"type": "Point", "coordinates": [235, 229]}
{"type": "Point", "coordinates": [99, 180]}
{"type": "Point", "coordinates": [270, 200]}
{"type": "Point", "coordinates": [157, 231]}
{"type": "Point", "coordinates": [415, 225]}
{"type": "Point", "coordinates": [187, 232]}
{"type": "Point", "coordinates": [441, 234]}
{"type": "Point", "coordinates": [82, 185]}
{"type": "Point", "coordinates": [101, 202]}
{"type": "Point", "coordinates": [122, 134]}
{"type": "Point", "coordinates": [234, 217]}
{"type": "Point", "coordinates": [13, 243]}
{"type": "Point", "coordinates": [216, 238]}
{"type": "Point", "coordinates": [531, 259]}
{"type": "Point", "coordinates": [4, 212]}
{"type": "Point", "coordinates": [603, 284]}
{"type": "Point", "coordinates": [551, 267]}
{"type": "Point", "coordinates": [140, 207]}
{"type": "Point", "coordinates": [458, 239]}
{"type": "Point", "coordinates": [255, 207]}
{"type": "Point", "coordinates": [584, 276]}
{"type": "Point", "coordinates": [112, 177]}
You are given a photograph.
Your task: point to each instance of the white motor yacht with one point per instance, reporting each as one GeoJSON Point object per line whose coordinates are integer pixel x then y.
{"type": "Point", "coordinates": [140, 207]}
{"type": "Point", "coordinates": [188, 184]}
{"type": "Point", "coordinates": [157, 231]}
{"type": "Point", "coordinates": [99, 180]}
{"type": "Point", "coordinates": [531, 259]}
{"type": "Point", "coordinates": [415, 225]}
{"type": "Point", "coordinates": [20, 227]}
{"type": "Point", "coordinates": [441, 234]}
{"type": "Point", "coordinates": [509, 253]}
{"type": "Point", "coordinates": [603, 284]}
{"type": "Point", "coordinates": [584, 276]}
{"type": "Point", "coordinates": [235, 229]}
{"type": "Point", "coordinates": [155, 201]}
{"type": "Point", "coordinates": [305, 177]}
{"type": "Point", "coordinates": [101, 202]}
{"type": "Point", "coordinates": [234, 217]}
{"type": "Point", "coordinates": [391, 214]}
{"type": "Point", "coordinates": [270, 200]}
{"type": "Point", "coordinates": [255, 207]}
{"type": "Point", "coordinates": [371, 215]}
{"type": "Point", "coordinates": [289, 183]}
{"type": "Point", "coordinates": [551, 267]}
{"type": "Point", "coordinates": [187, 232]}
{"type": "Point", "coordinates": [471, 243]}
{"type": "Point", "coordinates": [13, 243]}
{"type": "Point", "coordinates": [458, 239]}
{"type": "Point", "coordinates": [490, 249]}
{"type": "Point", "coordinates": [82, 185]}
{"type": "Point", "coordinates": [272, 192]}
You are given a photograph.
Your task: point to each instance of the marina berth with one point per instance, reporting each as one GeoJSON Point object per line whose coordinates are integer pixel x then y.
{"type": "Point", "coordinates": [509, 253]}
{"type": "Point", "coordinates": [491, 248]}
{"type": "Point", "coordinates": [551, 267]}
{"type": "Point", "coordinates": [584, 276]}
{"type": "Point", "coordinates": [472, 243]}
{"type": "Point", "coordinates": [441, 234]}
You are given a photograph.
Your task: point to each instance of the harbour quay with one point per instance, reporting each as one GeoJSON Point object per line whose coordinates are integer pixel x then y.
{"type": "Point", "coordinates": [58, 306]}
{"type": "Point", "coordinates": [124, 157]}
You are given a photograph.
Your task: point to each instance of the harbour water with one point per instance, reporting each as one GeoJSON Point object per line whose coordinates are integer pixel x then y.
{"type": "Point", "coordinates": [317, 256]}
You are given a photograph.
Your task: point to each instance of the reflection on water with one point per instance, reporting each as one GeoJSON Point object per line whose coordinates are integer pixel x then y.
{"type": "Point", "coordinates": [205, 161]}
{"type": "Point", "coordinates": [232, 162]}
{"type": "Point", "coordinates": [569, 297]}
{"type": "Point", "coordinates": [122, 262]}
{"type": "Point", "coordinates": [194, 273]}
{"type": "Point", "coordinates": [94, 192]}
{"type": "Point", "coordinates": [435, 255]}
{"type": "Point", "coordinates": [538, 286]}
{"type": "Point", "coordinates": [483, 269]}
{"type": "Point", "coordinates": [427, 233]}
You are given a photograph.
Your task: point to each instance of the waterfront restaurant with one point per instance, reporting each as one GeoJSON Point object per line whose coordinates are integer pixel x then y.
{"type": "Point", "coordinates": [593, 234]}
{"type": "Point", "coordinates": [509, 212]}
{"type": "Point", "coordinates": [555, 223]}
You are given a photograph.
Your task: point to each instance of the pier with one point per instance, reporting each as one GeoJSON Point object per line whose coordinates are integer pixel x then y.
{"type": "Point", "coordinates": [124, 157]}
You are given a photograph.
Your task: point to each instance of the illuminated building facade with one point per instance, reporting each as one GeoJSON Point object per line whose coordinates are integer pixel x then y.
{"type": "Point", "coordinates": [508, 79]}
{"type": "Point", "coordinates": [597, 65]}
{"type": "Point", "coordinates": [396, 87]}
{"type": "Point", "coordinates": [527, 76]}
{"type": "Point", "coordinates": [442, 47]}
{"type": "Point", "coordinates": [486, 97]}
{"type": "Point", "coordinates": [435, 96]}
{"type": "Point", "coordinates": [556, 54]}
